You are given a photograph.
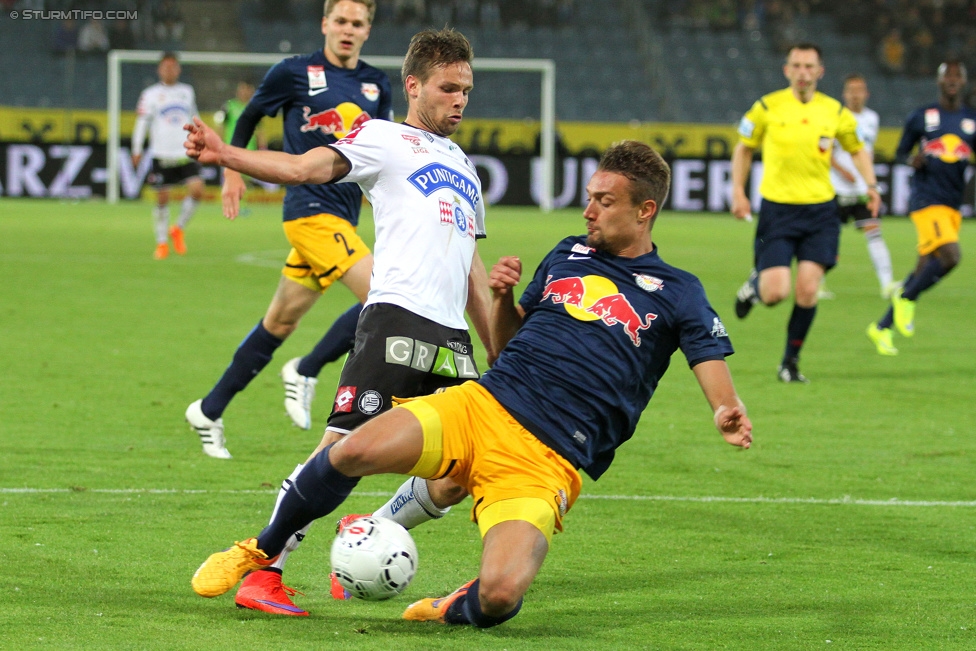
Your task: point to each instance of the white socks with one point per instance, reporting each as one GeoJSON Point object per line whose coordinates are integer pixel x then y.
{"type": "Point", "coordinates": [880, 257]}
{"type": "Point", "coordinates": [296, 538]}
{"type": "Point", "coordinates": [187, 208]}
{"type": "Point", "coordinates": [161, 224]}
{"type": "Point", "coordinates": [411, 505]}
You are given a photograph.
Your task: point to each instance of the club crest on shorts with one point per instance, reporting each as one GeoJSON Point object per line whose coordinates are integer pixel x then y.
{"type": "Point", "coordinates": [370, 402]}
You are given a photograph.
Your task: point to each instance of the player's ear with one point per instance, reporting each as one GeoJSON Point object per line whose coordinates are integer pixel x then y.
{"type": "Point", "coordinates": [412, 86]}
{"type": "Point", "coordinates": [325, 22]}
{"type": "Point", "coordinates": [647, 211]}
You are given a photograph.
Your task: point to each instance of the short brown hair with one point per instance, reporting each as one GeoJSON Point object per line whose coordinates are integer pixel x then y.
{"type": "Point", "coordinates": [369, 4]}
{"type": "Point", "coordinates": [649, 174]}
{"type": "Point", "coordinates": [431, 49]}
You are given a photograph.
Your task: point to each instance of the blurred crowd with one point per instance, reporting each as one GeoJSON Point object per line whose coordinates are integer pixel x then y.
{"type": "Point", "coordinates": [483, 13]}
{"type": "Point", "coordinates": [907, 37]}
{"type": "Point", "coordinates": [160, 24]}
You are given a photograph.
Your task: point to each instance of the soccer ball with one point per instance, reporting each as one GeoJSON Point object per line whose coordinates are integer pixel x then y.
{"type": "Point", "coordinates": [374, 558]}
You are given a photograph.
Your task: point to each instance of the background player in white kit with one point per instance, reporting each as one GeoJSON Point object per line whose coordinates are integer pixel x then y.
{"type": "Point", "coordinates": [163, 110]}
{"type": "Point", "coordinates": [852, 191]}
{"type": "Point", "coordinates": [428, 212]}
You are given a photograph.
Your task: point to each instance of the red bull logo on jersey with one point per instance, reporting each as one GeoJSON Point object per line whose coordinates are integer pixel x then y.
{"type": "Point", "coordinates": [370, 91]}
{"type": "Point", "coordinates": [948, 148]}
{"type": "Point", "coordinates": [436, 176]}
{"type": "Point", "coordinates": [592, 298]}
{"type": "Point", "coordinates": [338, 121]}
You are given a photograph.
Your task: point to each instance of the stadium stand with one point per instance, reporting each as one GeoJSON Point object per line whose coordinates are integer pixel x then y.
{"type": "Point", "coordinates": [644, 60]}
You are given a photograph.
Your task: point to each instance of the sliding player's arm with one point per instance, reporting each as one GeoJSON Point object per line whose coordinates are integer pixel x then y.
{"type": "Point", "coordinates": [506, 315]}
{"type": "Point", "coordinates": [729, 414]}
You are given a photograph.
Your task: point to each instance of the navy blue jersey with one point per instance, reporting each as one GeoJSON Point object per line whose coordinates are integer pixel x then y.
{"type": "Point", "coordinates": [947, 138]}
{"type": "Point", "coordinates": [321, 104]}
{"type": "Point", "coordinates": [598, 334]}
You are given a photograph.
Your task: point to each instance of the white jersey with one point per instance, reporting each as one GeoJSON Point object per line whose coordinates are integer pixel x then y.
{"type": "Point", "coordinates": [868, 124]}
{"type": "Point", "coordinates": [428, 211]}
{"type": "Point", "coordinates": [164, 110]}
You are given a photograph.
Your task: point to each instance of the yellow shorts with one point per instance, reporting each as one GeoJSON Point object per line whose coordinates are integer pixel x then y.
{"type": "Point", "coordinates": [323, 248]}
{"type": "Point", "coordinates": [510, 474]}
{"type": "Point", "coordinates": [936, 226]}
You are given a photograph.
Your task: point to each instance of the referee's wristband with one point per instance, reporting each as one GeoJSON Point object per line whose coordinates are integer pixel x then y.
{"type": "Point", "coordinates": [872, 186]}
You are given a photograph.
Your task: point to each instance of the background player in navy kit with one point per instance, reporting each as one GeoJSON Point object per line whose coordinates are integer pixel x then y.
{"type": "Point", "coordinates": [412, 338]}
{"type": "Point", "coordinates": [324, 95]}
{"type": "Point", "coordinates": [945, 133]}
{"type": "Point", "coordinates": [575, 372]}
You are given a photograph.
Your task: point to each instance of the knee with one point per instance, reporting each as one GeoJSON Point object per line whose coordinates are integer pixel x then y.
{"type": "Point", "coordinates": [445, 493]}
{"type": "Point", "coordinates": [950, 258]}
{"type": "Point", "coordinates": [498, 597]}
{"type": "Point", "coordinates": [773, 293]}
{"type": "Point", "coordinates": [279, 327]}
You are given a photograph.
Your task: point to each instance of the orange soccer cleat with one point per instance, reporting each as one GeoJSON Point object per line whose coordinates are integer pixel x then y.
{"type": "Point", "coordinates": [176, 234]}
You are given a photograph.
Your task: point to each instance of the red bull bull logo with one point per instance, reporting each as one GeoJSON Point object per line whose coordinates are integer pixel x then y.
{"type": "Point", "coordinates": [592, 298]}
{"type": "Point", "coordinates": [338, 121]}
{"type": "Point", "coordinates": [948, 148]}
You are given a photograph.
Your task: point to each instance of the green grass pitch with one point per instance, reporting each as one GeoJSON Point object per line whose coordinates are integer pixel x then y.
{"type": "Point", "coordinates": [851, 524]}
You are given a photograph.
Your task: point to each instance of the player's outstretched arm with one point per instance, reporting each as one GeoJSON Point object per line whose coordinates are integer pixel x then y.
{"type": "Point", "coordinates": [506, 316]}
{"type": "Point", "coordinates": [318, 165]}
{"type": "Point", "coordinates": [741, 165]}
{"type": "Point", "coordinates": [729, 413]}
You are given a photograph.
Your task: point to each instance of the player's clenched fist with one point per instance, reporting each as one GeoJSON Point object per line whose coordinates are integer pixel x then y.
{"type": "Point", "coordinates": [202, 143]}
{"type": "Point", "coordinates": [505, 274]}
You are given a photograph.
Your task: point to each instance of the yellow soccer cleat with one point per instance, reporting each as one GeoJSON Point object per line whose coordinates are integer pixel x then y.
{"type": "Point", "coordinates": [882, 340]}
{"type": "Point", "coordinates": [223, 570]}
{"type": "Point", "coordinates": [903, 311]}
{"type": "Point", "coordinates": [434, 610]}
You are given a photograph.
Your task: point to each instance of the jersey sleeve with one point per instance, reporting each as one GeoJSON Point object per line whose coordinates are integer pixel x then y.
{"type": "Point", "coordinates": [366, 152]}
{"type": "Point", "coordinates": [275, 90]}
{"type": "Point", "coordinates": [752, 126]}
{"type": "Point", "coordinates": [848, 134]}
{"type": "Point", "coordinates": [701, 334]}
{"type": "Point", "coordinates": [910, 136]}
{"type": "Point", "coordinates": [144, 116]}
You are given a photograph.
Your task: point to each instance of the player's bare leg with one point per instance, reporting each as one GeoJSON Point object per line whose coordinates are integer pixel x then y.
{"type": "Point", "coordinates": [774, 285]}
{"type": "Point", "coordinates": [512, 555]}
{"type": "Point", "coordinates": [291, 301]}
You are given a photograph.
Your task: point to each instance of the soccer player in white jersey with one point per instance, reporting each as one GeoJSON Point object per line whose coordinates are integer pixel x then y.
{"type": "Point", "coordinates": [428, 212]}
{"type": "Point", "coordinates": [852, 191]}
{"type": "Point", "coordinates": [163, 110]}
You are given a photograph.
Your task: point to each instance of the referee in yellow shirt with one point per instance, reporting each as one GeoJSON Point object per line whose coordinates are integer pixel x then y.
{"type": "Point", "coordinates": [798, 217]}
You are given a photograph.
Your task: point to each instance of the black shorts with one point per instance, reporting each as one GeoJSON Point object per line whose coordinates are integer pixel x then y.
{"type": "Point", "coordinates": [165, 173]}
{"type": "Point", "coordinates": [398, 353]}
{"type": "Point", "coordinates": [802, 231]}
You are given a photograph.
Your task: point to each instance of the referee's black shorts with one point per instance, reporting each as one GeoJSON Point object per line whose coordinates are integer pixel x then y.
{"type": "Point", "coordinates": [802, 231]}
